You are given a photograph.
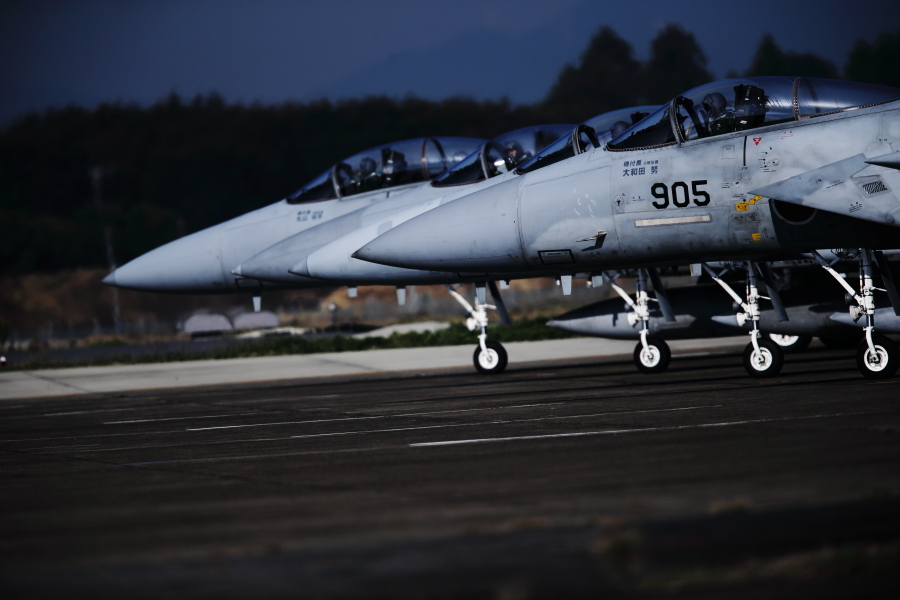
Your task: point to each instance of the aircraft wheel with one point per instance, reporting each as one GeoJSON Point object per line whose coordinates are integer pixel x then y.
{"type": "Point", "coordinates": [765, 363]}
{"type": "Point", "coordinates": [656, 360]}
{"type": "Point", "coordinates": [493, 361]}
{"type": "Point", "coordinates": [881, 364]}
{"type": "Point", "coordinates": [791, 343]}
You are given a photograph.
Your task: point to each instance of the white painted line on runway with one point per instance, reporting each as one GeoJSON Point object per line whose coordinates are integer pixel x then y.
{"type": "Point", "coordinates": [420, 414]}
{"type": "Point", "coordinates": [87, 412]}
{"type": "Point", "coordinates": [630, 412]}
{"type": "Point", "coordinates": [255, 456]}
{"type": "Point", "coordinates": [185, 418]}
{"type": "Point", "coordinates": [315, 435]}
{"type": "Point", "coordinates": [506, 422]}
{"type": "Point", "coordinates": [623, 431]}
{"type": "Point", "coordinates": [285, 423]}
{"type": "Point", "coordinates": [284, 399]}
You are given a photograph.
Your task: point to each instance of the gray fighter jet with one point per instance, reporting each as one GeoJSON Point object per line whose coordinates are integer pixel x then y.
{"type": "Point", "coordinates": [689, 184]}
{"type": "Point", "coordinates": [203, 261]}
{"type": "Point", "coordinates": [483, 167]}
{"type": "Point", "coordinates": [335, 261]}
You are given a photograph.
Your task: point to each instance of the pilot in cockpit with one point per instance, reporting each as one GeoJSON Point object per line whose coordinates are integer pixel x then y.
{"type": "Point", "coordinates": [720, 119]}
{"type": "Point", "coordinates": [367, 178]}
{"type": "Point", "coordinates": [514, 154]}
{"type": "Point", "coordinates": [393, 166]}
{"type": "Point", "coordinates": [618, 128]}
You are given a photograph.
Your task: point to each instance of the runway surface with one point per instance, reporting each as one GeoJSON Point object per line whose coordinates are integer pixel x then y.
{"type": "Point", "coordinates": [575, 479]}
{"type": "Point", "coordinates": [124, 378]}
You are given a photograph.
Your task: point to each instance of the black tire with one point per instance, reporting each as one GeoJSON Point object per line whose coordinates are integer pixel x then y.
{"type": "Point", "coordinates": [886, 349]}
{"type": "Point", "coordinates": [661, 356]}
{"type": "Point", "coordinates": [791, 343]}
{"type": "Point", "coordinates": [773, 359]}
{"type": "Point", "coordinates": [840, 342]}
{"type": "Point", "coordinates": [495, 368]}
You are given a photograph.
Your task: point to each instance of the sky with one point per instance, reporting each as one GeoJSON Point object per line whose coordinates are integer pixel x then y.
{"type": "Point", "coordinates": [56, 53]}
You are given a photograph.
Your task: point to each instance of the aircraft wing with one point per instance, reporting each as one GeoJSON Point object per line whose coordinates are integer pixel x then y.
{"type": "Point", "coordinates": [854, 187]}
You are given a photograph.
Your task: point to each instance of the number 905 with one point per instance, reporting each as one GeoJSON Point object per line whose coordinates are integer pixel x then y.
{"type": "Point", "coordinates": [680, 197]}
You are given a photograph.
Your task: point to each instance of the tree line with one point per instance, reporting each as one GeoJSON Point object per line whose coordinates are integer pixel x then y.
{"type": "Point", "coordinates": [149, 175]}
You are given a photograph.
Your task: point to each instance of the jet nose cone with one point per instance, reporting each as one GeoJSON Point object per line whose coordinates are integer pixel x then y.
{"type": "Point", "coordinates": [478, 232]}
{"type": "Point", "coordinates": [189, 264]}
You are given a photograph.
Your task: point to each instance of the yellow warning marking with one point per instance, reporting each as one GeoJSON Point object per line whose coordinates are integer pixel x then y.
{"type": "Point", "coordinates": [741, 206]}
{"type": "Point", "coordinates": [756, 237]}
{"type": "Point", "coordinates": [755, 199]}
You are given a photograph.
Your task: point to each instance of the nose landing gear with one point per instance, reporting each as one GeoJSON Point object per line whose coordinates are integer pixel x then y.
{"type": "Point", "coordinates": [877, 356]}
{"type": "Point", "coordinates": [762, 356]}
{"type": "Point", "coordinates": [652, 354]}
{"type": "Point", "coordinates": [490, 357]}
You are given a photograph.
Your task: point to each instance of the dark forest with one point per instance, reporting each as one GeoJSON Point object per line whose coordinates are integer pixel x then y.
{"type": "Point", "coordinates": [149, 175]}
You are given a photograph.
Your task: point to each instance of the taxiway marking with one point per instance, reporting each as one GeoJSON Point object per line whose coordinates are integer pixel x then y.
{"type": "Point", "coordinates": [184, 418]}
{"type": "Point", "coordinates": [369, 418]}
{"type": "Point", "coordinates": [623, 431]}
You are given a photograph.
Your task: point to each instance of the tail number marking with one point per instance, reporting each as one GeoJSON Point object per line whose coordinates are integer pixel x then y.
{"type": "Point", "coordinates": [679, 196]}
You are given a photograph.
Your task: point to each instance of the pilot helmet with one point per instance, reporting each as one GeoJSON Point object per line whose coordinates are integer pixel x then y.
{"type": "Point", "coordinates": [367, 166]}
{"type": "Point", "coordinates": [619, 128]}
{"type": "Point", "coordinates": [513, 152]}
{"type": "Point", "coordinates": [714, 103]}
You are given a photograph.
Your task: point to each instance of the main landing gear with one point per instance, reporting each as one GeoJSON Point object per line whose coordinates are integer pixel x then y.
{"type": "Point", "coordinates": [652, 354]}
{"type": "Point", "coordinates": [877, 356]}
{"type": "Point", "coordinates": [490, 357]}
{"type": "Point", "coordinates": [763, 357]}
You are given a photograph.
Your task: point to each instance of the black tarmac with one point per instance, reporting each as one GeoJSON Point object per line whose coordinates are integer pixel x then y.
{"type": "Point", "coordinates": [567, 479]}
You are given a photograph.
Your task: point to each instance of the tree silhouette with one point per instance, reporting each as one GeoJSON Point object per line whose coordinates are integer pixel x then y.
{"type": "Point", "coordinates": [875, 63]}
{"type": "Point", "coordinates": [677, 64]}
{"type": "Point", "coordinates": [772, 60]}
{"type": "Point", "coordinates": [606, 78]}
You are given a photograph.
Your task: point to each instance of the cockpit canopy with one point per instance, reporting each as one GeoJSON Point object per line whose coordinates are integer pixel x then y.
{"type": "Point", "coordinates": [387, 166]}
{"type": "Point", "coordinates": [501, 154]}
{"type": "Point", "coordinates": [748, 103]}
{"type": "Point", "coordinates": [593, 133]}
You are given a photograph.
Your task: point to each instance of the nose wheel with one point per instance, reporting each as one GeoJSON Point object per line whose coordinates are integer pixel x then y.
{"type": "Point", "coordinates": [490, 360]}
{"type": "Point", "coordinates": [880, 360]}
{"type": "Point", "coordinates": [764, 359]}
{"type": "Point", "coordinates": [654, 358]}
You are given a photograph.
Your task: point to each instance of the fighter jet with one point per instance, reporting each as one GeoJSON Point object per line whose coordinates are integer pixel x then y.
{"type": "Point", "coordinates": [688, 184]}
{"type": "Point", "coordinates": [203, 261]}
{"type": "Point", "coordinates": [481, 168]}
{"type": "Point", "coordinates": [335, 262]}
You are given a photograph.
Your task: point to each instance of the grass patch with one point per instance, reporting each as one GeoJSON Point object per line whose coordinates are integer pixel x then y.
{"type": "Point", "coordinates": [524, 330]}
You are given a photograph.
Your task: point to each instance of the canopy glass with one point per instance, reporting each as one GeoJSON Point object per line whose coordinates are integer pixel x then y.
{"type": "Point", "coordinates": [387, 166]}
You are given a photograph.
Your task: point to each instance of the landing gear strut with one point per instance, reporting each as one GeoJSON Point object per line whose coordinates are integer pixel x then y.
{"type": "Point", "coordinates": [877, 356]}
{"type": "Point", "coordinates": [490, 357]}
{"type": "Point", "coordinates": [652, 354]}
{"type": "Point", "coordinates": [762, 356]}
